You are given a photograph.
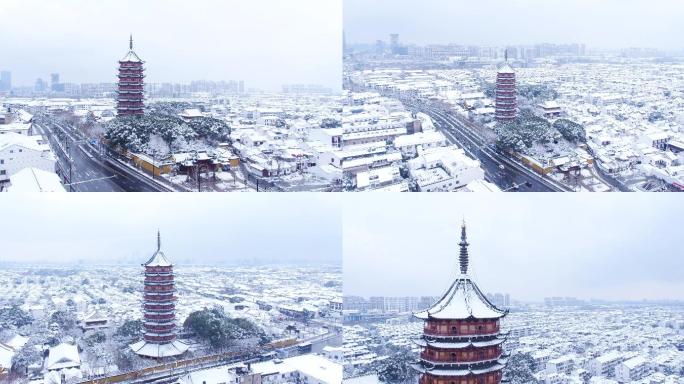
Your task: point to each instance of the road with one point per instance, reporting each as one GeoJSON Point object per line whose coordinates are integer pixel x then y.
{"type": "Point", "coordinates": [89, 171]}
{"type": "Point", "coordinates": [506, 173]}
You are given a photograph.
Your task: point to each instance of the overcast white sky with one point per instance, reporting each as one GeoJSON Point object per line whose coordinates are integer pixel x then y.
{"type": "Point", "coordinates": [266, 43]}
{"type": "Point", "coordinates": [597, 23]}
{"type": "Point", "coordinates": [604, 246]}
{"type": "Point", "coordinates": [195, 228]}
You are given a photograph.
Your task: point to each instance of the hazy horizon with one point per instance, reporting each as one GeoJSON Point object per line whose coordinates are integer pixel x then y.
{"type": "Point", "coordinates": [611, 247]}
{"type": "Point", "coordinates": [196, 229]}
{"type": "Point", "coordinates": [608, 24]}
{"type": "Point", "coordinates": [266, 43]}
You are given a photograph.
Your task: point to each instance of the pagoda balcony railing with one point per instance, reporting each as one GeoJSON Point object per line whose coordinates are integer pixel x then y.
{"type": "Point", "coordinates": [166, 308]}
{"type": "Point", "coordinates": [482, 363]}
{"type": "Point", "coordinates": [159, 339]}
{"type": "Point", "coordinates": [159, 312]}
{"type": "Point", "coordinates": [169, 316]}
{"type": "Point", "coordinates": [487, 378]}
{"type": "Point", "coordinates": [159, 289]}
{"type": "Point", "coordinates": [159, 308]}
{"type": "Point", "coordinates": [160, 298]}
{"type": "Point", "coordinates": [155, 277]}
{"type": "Point", "coordinates": [152, 273]}
{"type": "Point", "coordinates": [492, 331]}
{"type": "Point", "coordinates": [131, 106]}
{"type": "Point", "coordinates": [160, 328]}
{"type": "Point", "coordinates": [460, 357]}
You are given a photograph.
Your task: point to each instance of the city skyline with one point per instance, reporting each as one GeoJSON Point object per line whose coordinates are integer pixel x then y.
{"type": "Point", "coordinates": [612, 24]}
{"type": "Point", "coordinates": [101, 229]}
{"type": "Point", "coordinates": [179, 41]}
{"type": "Point", "coordinates": [557, 243]}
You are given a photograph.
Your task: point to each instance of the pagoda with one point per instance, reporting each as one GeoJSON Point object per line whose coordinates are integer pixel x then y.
{"type": "Point", "coordinates": [129, 101]}
{"type": "Point", "coordinates": [461, 340]}
{"type": "Point", "coordinates": [159, 309]}
{"type": "Point", "coordinates": [506, 104]}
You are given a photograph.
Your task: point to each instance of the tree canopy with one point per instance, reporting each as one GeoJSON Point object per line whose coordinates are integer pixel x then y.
{"type": "Point", "coordinates": [65, 320]}
{"type": "Point", "coordinates": [129, 329]}
{"type": "Point", "coordinates": [134, 133]}
{"type": "Point", "coordinates": [523, 133]}
{"type": "Point", "coordinates": [14, 317]}
{"type": "Point", "coordinates": [520, 369]}
{"type": "Point", "coordinates": [570, 130]}
{"type": "Point", "coordinates": [397, 369]}
{"type": "Point", "coordinates": [219, 330]}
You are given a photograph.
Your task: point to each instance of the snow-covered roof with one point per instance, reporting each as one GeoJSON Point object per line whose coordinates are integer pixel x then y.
{"type": "Point", "coordinates": [35, 180]}
{"type": "Point", "coordinates": [131, 57]}
{"type": "Point", "coordinates": [158, 259]}
{"type": "Point", "coordinates": [463, 299]}
{"type": "Point", "coordinates": [63, 356]}
{"type": "Point", "coordinates": [506, 68]}
{"type": "Point", "coordinates": [144, 348]}
{"type": "Point", "coordinates": [29, 142]}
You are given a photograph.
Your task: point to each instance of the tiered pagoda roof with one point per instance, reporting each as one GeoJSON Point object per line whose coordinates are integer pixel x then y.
{"type": "Point", "coordinates": [130, 91]}
{"type": "Point", "coordinates": [159, 310]}
{"type": "Point", "coordinates": [462, 335]}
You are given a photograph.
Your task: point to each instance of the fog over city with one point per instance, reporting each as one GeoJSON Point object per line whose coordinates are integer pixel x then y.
{"type": "Point", "coordinates": [266, 43]}
{"type": "Point", "coordinates": [607, 24]}
{"type": "Point", "coordinates": [623, 247]}
{"type": "Point", "coordinates": [195, 229]}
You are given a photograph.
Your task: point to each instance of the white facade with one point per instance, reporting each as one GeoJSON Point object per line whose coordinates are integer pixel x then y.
{"type": "Point", "coordinates": [409, 144]}
{"type": "Point", "coordinates": [631, 370]}
{"type": "Point", "coordinates": [18, 152]}
{"type": "Point", "coordinates": [444, 169]}
{"type": "Point", "coordinates": [604, 365]}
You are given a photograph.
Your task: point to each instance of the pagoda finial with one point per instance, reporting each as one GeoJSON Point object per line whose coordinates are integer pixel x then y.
{"type": "Point", "coordinates": [158, 241]}
{"type": "Point", "coordinates": [463, 257]}
{"type": "Point", "coordinates": [130, 44]}
{"type": "Point", "coordinates": [506, 54]}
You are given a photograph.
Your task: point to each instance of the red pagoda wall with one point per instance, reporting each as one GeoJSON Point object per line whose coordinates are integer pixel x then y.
{"type": "Point", "coordinates": [159, 319]}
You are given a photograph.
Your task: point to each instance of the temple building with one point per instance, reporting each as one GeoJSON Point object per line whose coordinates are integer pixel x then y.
{"type": "Point", "coordinates": [159, 310]}
{"type": "Point", "coordinates": [129, 101]}
{"type": "Point", "coordinates": [506, 104]}
{"type": "Point", "coordinates": [461, 338]}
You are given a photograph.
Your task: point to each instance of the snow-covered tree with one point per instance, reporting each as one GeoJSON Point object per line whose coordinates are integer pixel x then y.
{"type": "Point", "coordinates": [570, 130]}
{"type": "Point", "coordinates": [397, 368]}
{"type": "Point", "coordinates": [520, 369]}
{"type": "Point", "coordinates": [14, 317]}
{"type": "Point", "coordinates": [213, 326]}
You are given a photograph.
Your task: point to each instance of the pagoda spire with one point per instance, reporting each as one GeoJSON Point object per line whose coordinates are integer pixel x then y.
{"type": "Point", "coordinates": [158, 241]}
{"type": "Point", "coordinates": [463, 256]}
{"type": "Point", "coordinates": [506, 54]}
{"type": "Point", "coordinates": [130, 44]}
